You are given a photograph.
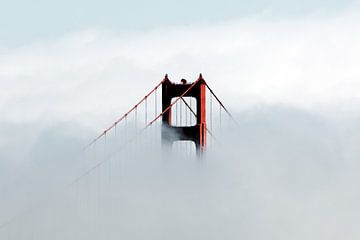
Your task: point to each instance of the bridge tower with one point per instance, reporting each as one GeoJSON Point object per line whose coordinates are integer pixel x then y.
{"type": "Point", "coordinates": [195, 133]}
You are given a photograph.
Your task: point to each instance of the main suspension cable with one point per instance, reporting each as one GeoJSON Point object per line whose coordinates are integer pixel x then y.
{"type": "Point", "coordinates": [221, 104]}
{"type": "Point", "coordinates": [188, 107]}
{"type": "Point", "coordinates": [176, 100]}
{"type": "Point", "coordinates": [126, 114]}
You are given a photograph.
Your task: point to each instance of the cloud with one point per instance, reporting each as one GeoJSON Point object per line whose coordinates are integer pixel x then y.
{"type": "Point", "coordinates": [306, 62]}
{"type": "Point", "coordinates": [287, 171]}
{"type": "Point", "coordinates": [283, 173]}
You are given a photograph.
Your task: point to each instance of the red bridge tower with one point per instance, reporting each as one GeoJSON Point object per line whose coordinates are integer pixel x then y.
{"type": "Point", "coordinates": [195, 133]}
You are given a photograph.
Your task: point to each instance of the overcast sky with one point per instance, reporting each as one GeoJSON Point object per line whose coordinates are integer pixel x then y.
{"type": "Point", "coordinates": [288, 70]}
{"type": "Point", "coordinates": [23, 21]}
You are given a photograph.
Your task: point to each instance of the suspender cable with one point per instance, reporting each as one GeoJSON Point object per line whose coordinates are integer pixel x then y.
{"type": "Point", "coordinates": [95, 153]}
{"type": "Point", "coordinates": [135, 116]}
{"type": "Point", "coordinates": [126, 129]}
{"type": "Point", "coordinates": [211, 118]}
{"type": "Point", "coordinates": [155, 103]}
{"type": "Point", "coordinates": [145, 110]}
{"type": "Point", "coordinates": [186, 114]}
{"type": "Point", "coordinates": [180, 113]}
{"type": "Point", "coordinates": [220, 115]}
{"type": "Point", "coordinates": [105, 145]}
{"type": "Point", "coordinates": [176, 115]}
{"type": "Point", "coordinates": [191, 100]}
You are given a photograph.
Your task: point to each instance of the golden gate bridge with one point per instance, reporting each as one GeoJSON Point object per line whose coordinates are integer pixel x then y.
{"type": "Point", "coordinates": [182, 117]}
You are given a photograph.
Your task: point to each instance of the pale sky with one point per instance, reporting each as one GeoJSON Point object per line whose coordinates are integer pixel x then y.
{"type": "Point", "coordinates": [23, 21]}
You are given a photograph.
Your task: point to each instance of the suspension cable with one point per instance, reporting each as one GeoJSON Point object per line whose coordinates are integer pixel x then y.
{"type": "Point", "coordinates": [125, 118]}
{"type": "Point", "coordinates": [150, 123]}
{"type": "Point", "coordinates": [146, 96]}
{"type": "Point", "coordinates": [221, 104]}
{"type": "Point", "coordinates": [169, 107]}
{"type": "Point", "coordinates": [211, 134]}
{"type": "Point", "coordinates": [127, 113]}
{"type": "Point", "coordinates": [189, 107]}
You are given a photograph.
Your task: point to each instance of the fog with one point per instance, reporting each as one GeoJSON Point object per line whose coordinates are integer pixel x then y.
{"type": "Point", "coordinates": [265, 178]}
{"type": "Point", "coordinates": [287, 170]}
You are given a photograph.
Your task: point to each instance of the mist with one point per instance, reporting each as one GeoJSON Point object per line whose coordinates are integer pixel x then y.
{"type": "Point", "coordinates": [265, 179]}
{"type": "Point", "coordinates": [287, 170]}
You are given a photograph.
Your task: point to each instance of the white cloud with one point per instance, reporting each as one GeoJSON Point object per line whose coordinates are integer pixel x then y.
{"type": "Point", "coordinates": [307, 63]}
